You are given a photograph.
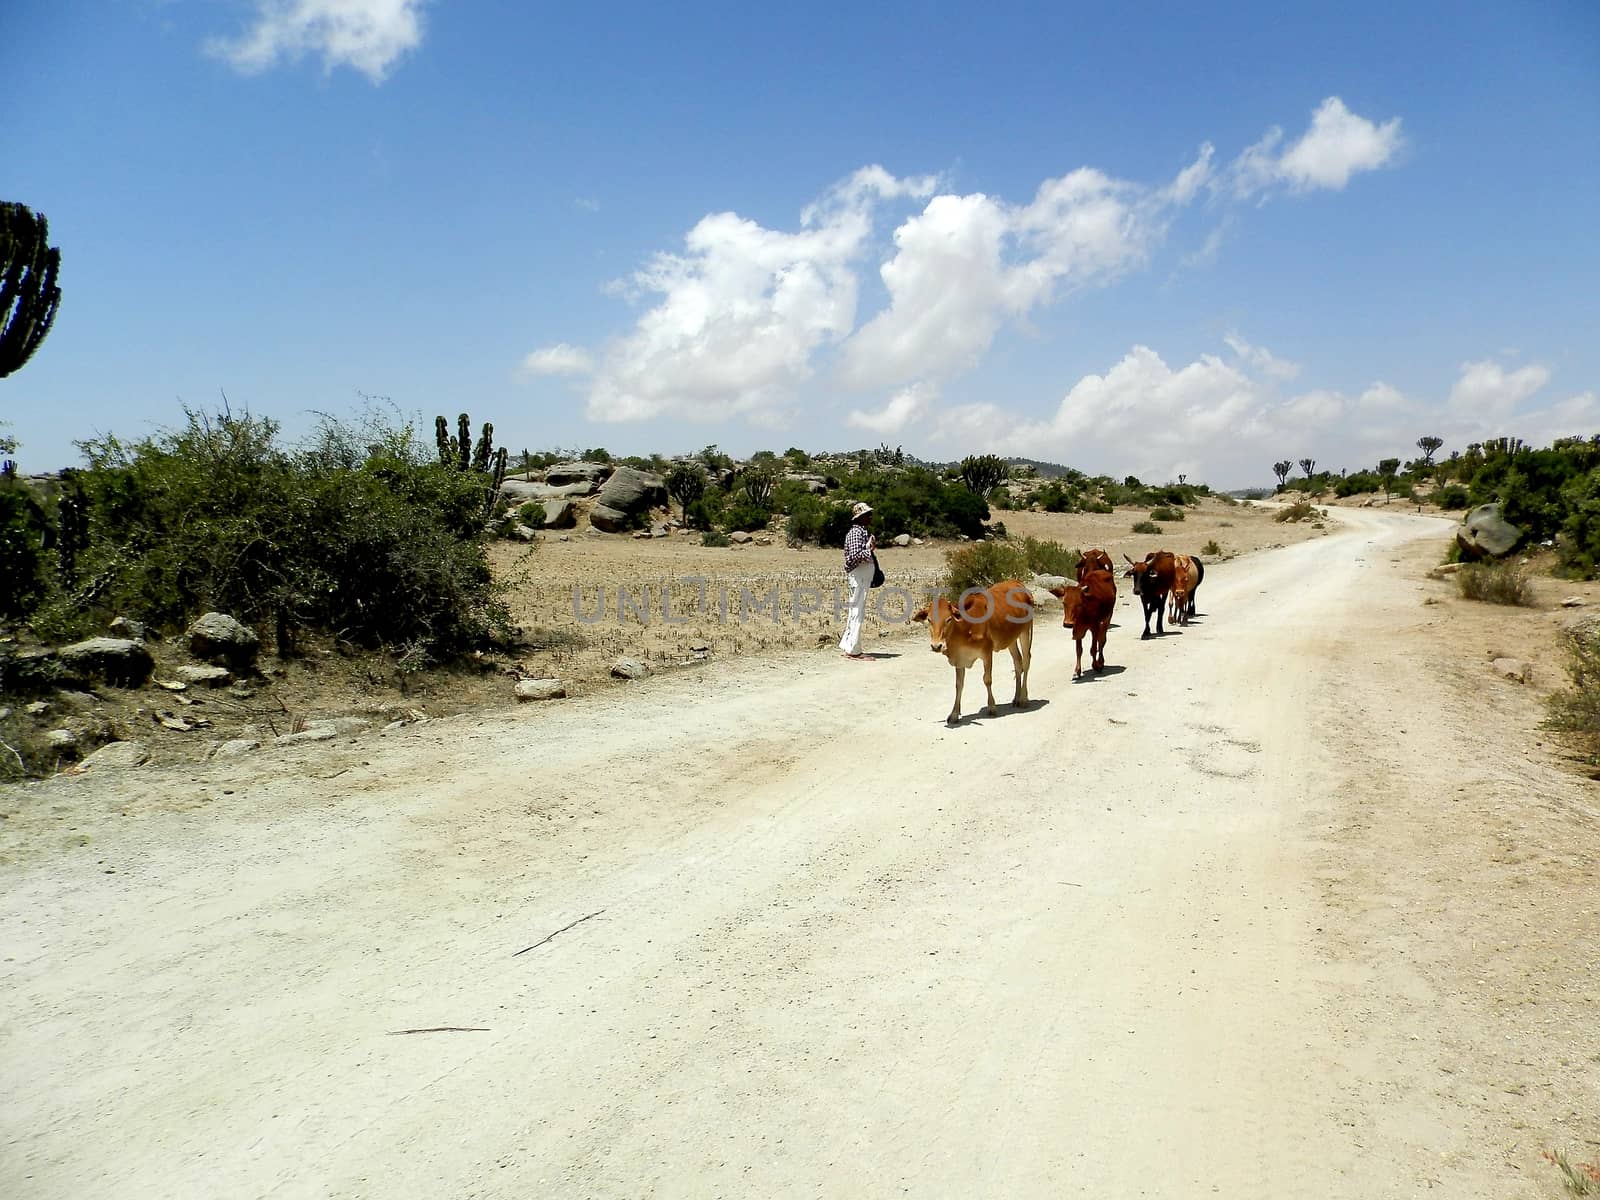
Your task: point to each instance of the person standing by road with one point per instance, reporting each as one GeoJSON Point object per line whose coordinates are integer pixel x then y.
{"type": "Point", "coordinates": [859, 564]}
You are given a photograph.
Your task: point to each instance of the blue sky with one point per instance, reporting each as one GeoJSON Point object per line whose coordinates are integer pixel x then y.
{"type": "Point", "coordinates": [1133, 238]}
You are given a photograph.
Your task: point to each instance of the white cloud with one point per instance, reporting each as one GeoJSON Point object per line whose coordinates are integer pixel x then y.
{"type": "Point", "coordinates": [560, 359]}
{"type": "Point", "coordinates": [1485, 390]}
{"type": "Point", "coordinates": [742, 310]}
{"type": "Point", "coordinates": [368, 35]}
{"type": "Point", "coordinates": [1263, 360]}
{"type": "Point", "coordinates": [1336, 146]}
{"type": "Point", "coordinates": [967, 264]}
{"type": "Point", "coordinates": [905, 406]}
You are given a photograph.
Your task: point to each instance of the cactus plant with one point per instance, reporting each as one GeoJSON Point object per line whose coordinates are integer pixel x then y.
{"type": "Point", "coordinates": [29, 297]}
{"type": "Point", "coordinates": [483, 459]}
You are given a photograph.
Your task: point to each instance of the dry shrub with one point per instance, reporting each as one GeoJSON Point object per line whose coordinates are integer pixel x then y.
{"type": "Point", "coordinates": [1300, 510]}
{"type": "Point", "coordinates": [1495, 583]}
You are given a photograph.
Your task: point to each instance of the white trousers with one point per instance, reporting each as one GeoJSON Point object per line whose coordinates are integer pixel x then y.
{"type": "Point", "coordinates": [860, 587]}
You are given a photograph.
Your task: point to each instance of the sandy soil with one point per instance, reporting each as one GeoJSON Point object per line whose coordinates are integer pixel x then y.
{"type": "Point", "coordinates": [1291, 902]}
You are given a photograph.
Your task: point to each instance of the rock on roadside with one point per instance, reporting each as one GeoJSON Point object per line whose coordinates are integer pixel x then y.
{"type": "Point", "coordinates": [117, 756]}
{"type": "Point", "coordinates": [123, 662]}
{"type": "Point", "coordinates": [539, 689]}
{"type": "Point", "coordinates": [218, 638]}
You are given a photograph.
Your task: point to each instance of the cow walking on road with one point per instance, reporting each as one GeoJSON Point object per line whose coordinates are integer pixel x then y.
{"type": "Point", "coordinates": [984, 624]}
{"type": "Point", "coordinates": [1152, 583]}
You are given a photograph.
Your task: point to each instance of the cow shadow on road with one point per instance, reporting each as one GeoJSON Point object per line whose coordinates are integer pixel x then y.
{"type": "Point", "coordinates": [1104, 672]}
{"type": "Point", "coordinates": [981, 715]}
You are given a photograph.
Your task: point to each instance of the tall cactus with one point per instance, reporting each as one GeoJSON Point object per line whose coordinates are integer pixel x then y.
{"type": "Point", "coordinates": [460, 454]}
{"type": "Point", "coordinates": [28, 292]}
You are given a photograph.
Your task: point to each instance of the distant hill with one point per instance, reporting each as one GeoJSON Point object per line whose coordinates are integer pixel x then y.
{"type": "Point", "coordinates": [1045, 470]}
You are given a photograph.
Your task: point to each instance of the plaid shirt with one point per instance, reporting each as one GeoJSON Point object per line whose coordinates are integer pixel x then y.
{"type": "Point", "coordinates": [857, 547]}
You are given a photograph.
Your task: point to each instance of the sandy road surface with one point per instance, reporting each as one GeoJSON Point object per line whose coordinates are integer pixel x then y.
{"type": "Point", "coordinates": [828, 947]}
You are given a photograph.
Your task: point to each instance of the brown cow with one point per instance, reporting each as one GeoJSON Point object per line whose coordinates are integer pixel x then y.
{"type": "Point", "coordinates": [1185, 578]}
{"type": "Point", "coordinates": [1094, 560]}
{"type": "Point", "coordinates": [1152, 581]}
{"type": "Point", "coordinates": [985, 623]}
{"type": "Point", "coordinates": [1086, 608]}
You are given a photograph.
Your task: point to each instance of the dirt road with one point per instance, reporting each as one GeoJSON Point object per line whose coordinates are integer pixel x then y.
{"type": "Point", "coordinates": [814, 943]}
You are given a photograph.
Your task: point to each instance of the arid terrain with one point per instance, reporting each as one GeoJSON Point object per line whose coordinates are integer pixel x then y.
{"type": "Point", "coordinates": [1298, 900]}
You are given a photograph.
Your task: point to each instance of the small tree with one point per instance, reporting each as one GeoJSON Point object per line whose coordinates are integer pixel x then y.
{"type": "Point", "coordinates": [758, 487]}
{"type": "Point", "coordinates": [1281, 470]}
{"type": "Point", "coordinates": [686, 483]}
{"type": "Point", "coordinates": [1429, 446]}
{"type": "Point", "coordinates": [1387, 469]}
{"type": "Point", "coordinates": [1308, 465]}
{"type": "Point", "coordinates": [29, 297]}
{"type": "Point", "coordinates": [983, 473]}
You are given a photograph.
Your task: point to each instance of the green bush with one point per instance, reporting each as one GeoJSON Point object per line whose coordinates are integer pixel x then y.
{"type": "Point", "coordinates": [1097, 506]}
{"type": "Point", "coordinates": [1358, 483]}
{"type": "Point", "coordinates": [1576, 709]}
{"type": "Point", "coordinates": [713, 537]}
{"type": "Point", "coordinates": [359, 533]}
{"type": "Point", "coordinates": [1166, 514]}
{"type": "Point", "coordinates": [918, 502]}
{"type": "Point", "coordinates": [1451, 496]}
{"type": "Point", "coordinates": [815, 520]}
{"type": "Point", "coordinates": [1494, 583]}
{"type": "Point", "coordinates": [23, 529]}
{"type": "Point", "coordinates": [744, 514]}
{"type": "Point", "coordinates": [1211, 549]}
{"type": "Point", "coordinates": [1146, 527]}
{"type": "Point", "coordinates": [982, 565]}
{"type": "Point", "coordinates": [1049, 558]}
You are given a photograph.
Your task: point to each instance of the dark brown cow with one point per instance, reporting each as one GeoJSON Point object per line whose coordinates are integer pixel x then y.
{"type": "Point", "coordinates": [986, 623]}
{"type": "Point", "coordinates": [1086, 608]}
{"type": "Point", "coordinates": [1094, 560]}
{"type": "Point", "coordinates": [1152, 581]}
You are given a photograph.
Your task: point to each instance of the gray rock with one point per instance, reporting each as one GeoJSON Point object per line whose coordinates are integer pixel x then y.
{"type": "Point", "coordinates": [120, 661]}
{"type": "Point", "coordinates": [234, 747]}
{"type": "Point", "coordinates": [539, 689]}
{"type": "Point", "coordinates": [324, 730]}
{"type": "Point", "coordinates": [127, 627]}
{"type": "Point", "coordinates": [312, 734]}
{"type": "Point", "coordinates": [61, 739]}
{"type": "Point", "coordinates": [577, 472]}
{"type": "Point", "coordinates": [1043, 583]}
{"type": "Point", "coordinates": [1485, 533]}
{"type": "Point", "coordinates": [605, 519]}
{"type": "Point", "coordinates": [628, 492]}
{"type": "Point", "coordinates": [218, 638]}
{"type": "Point", "coordinates": [204, 676]}
{"type": "Point", "coordinates": [1448, 568]}
{"type": "Point", "coordinates": [916, 541]}
{"type": "Point", "coordinates": [520, 491]}
{"type": "Point", "coordinates": [659, 531]}
{"type": "Point", "coordinates": [739, 537]}
{"type": "Point", "coordinates": [1573, 602]}
{"type": "Point", "coordinates": [5, 713]}
{"type": "Point", "coordinates": [902, 540]}
{"type": "Point", "coordinates": [117, 756]}
{"type": "Point", "coordinates": [1513, 668]}
{"type": "Point", "coordinates": [523, 534]}
{"type": "Point", "coordinates": [37, 708]}
{"type": "Point", "coordinates": [629, 668]}
{"type": "Point", "coordinates": [560, 514]}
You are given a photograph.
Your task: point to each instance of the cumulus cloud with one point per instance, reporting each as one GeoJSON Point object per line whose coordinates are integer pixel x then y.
{"type": "Point", "coordinates": [966, 264]}
{"type": "Point", "coordinates": [1487, 391]}
{"type": "Point", "coordinates": [742, 310]}
{"type": "Point", "coordinates": [1338, 144]}
{"type": "Point", "coordinates": [1263, 360]}
{"type": "Point", "coordinates": [367, 35]}
{"type": "Point", "coordinates": [1226, 422]}
{"type": "Point", "coordinates": [745, 321]}
{"type": "Point", "coordinates": [560, 359]}
{"type": "Point", "coordinates": [904, 407]}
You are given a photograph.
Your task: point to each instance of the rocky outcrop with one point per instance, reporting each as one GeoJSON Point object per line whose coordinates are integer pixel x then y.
{"type": "Point", "coordinates": [1485, 533]}
{"type": "Point", "coordinates": [520, 491]}
{"type": "Point", "coordinates": [626, 495]}
{"type": "Point", "coordinates": [218, 638]}
{"type": "Point", "coordinates": [122, 662]}
{"type": "Point", "coordinates": [578, 472]}
{"type": "Point", "coordinates": [560, 514]}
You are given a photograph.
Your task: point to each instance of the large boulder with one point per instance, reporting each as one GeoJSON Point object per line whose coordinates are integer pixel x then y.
{"type": "Point", "coordinates": [116, 756]}
{"type": "Point", "coordinates": [218, 638]}
{"type": "Point", "coordinates": [626, 494]}
{"type": "Point", "coordinates": [1485, 532]}
{"type": "Point", "coordinates": [520, 491]}
{"type": "Point", "coordinates": [560, 514]}
{"type": "Point", "coordinates": [124, 662]}
{"type": "Point", "coordinates": [577, 472]}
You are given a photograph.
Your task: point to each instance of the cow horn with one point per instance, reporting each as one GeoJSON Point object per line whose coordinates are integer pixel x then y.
{"type": "Point", "coordinates": [1126, 559]}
